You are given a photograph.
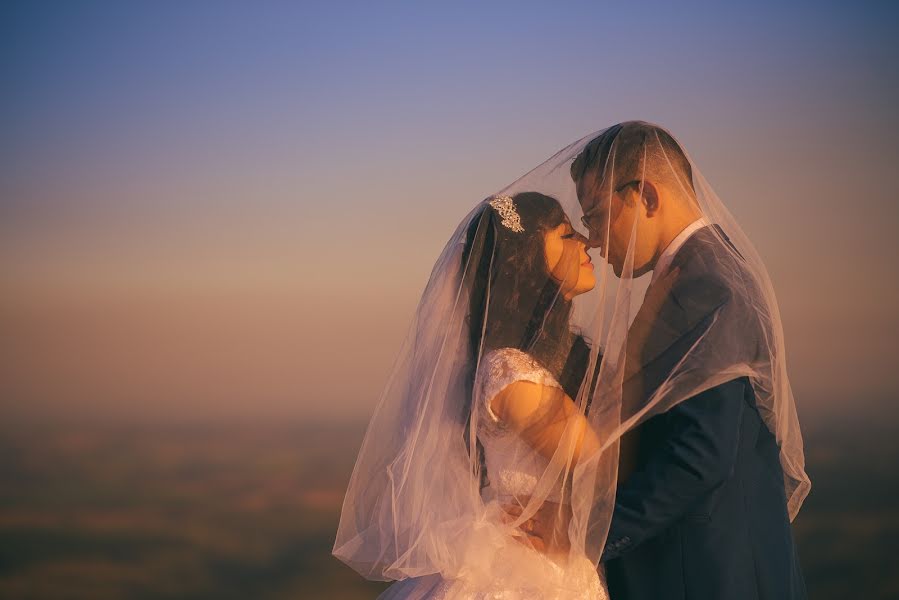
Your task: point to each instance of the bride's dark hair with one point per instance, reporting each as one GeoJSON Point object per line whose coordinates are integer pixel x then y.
{"type": "Point", "coordinates": [513, 300]}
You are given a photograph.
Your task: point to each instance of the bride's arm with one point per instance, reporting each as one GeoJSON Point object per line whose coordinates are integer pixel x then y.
{"type": "Point", "coordinates": [546, 419]}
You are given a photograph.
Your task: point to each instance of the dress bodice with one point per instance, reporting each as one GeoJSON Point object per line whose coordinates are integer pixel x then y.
{"type": "Point", "coordinates": [513, 467]}
{"type": "Point", "coordinates": [516, 572]}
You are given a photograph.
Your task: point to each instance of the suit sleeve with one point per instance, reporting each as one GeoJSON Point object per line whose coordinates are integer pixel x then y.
{"type": "Point", "coordinates": [698, 453]}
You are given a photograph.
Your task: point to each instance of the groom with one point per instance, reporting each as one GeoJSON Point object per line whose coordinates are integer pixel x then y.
{"type": "Point", "coordinates": [700, 511]}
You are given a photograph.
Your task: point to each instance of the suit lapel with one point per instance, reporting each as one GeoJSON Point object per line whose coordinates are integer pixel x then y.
{"type": "Point", "coordinates": [672, 308]}
{"type": "Point", "coordinates": [653, 325]}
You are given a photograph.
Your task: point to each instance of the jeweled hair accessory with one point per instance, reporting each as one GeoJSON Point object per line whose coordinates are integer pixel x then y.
{"type": "Point", "coordinates": [506, 209]}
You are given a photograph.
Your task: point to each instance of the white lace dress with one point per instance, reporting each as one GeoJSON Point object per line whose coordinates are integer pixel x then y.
{"type": "Point", "coordinates": [513, 469]}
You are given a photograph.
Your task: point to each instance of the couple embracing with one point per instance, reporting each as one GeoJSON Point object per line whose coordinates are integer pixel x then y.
{"type": "Point", "coordinates": [551, 430]}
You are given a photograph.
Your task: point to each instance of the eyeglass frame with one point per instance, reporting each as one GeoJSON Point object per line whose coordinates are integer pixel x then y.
{"type": "Point", "coordinates": [587, 217]}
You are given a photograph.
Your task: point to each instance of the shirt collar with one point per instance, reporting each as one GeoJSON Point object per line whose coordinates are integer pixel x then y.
{"type": "Point", "coordinates": [675, 245]}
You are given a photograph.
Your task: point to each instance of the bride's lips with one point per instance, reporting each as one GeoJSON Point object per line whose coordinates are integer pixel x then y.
{"type": "Point", "coordinates": [587, 263]}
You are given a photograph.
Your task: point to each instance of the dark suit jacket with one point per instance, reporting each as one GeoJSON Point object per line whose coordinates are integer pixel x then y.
{"type": "Point", "coordinates": [700, 511]}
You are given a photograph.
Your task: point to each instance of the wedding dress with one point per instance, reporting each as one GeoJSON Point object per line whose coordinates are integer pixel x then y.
{"type": "Point", "coordinates": [518, 572]}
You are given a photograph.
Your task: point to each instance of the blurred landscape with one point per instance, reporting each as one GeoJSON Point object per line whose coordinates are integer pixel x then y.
{"type": "Point", "coordinates": [250, 511]}
{"type": "Point", "coordinates": [175, 512]}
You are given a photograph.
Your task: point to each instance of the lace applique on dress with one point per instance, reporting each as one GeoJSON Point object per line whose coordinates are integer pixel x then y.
{"type": "Point", "coordinates": [504, 366]}
{"type": "Point", "coordinates": [513, 468]}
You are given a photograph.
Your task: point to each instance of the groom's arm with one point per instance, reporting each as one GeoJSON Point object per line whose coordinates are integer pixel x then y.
{"type": "Point", "coordinates": [696, 456]}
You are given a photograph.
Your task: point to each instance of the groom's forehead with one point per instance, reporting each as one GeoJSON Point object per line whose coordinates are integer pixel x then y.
{"type": "Point", "coordinates": [589, 186]}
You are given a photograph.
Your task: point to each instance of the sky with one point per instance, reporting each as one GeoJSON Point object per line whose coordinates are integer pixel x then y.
{"type": "Point", "coordinates": [214, 210]}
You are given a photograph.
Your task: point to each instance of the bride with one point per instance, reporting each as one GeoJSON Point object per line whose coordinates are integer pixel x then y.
{"type": "Point", "coordinates": [486, 411]}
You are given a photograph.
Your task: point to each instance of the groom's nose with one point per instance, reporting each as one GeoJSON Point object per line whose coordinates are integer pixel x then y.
{"type": "Point", "coordinates": [594, 241]}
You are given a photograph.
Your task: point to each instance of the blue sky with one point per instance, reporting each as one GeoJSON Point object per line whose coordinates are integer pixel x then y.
{"type": "Point", "coordinates": [157, 159]}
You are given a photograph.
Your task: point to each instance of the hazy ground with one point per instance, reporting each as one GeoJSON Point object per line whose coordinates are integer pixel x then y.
{"type": "Point", "coordinates": [250, 512]}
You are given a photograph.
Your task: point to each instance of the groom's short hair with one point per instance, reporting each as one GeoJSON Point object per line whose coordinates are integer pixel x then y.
{"type": "Point", "coordinates": [632, 141]}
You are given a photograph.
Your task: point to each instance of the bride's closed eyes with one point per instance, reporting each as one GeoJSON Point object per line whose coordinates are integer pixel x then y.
{"type": "Point", "coordinates": [569, 232]}
{"type": "Point", "coordinates": [572, 234]}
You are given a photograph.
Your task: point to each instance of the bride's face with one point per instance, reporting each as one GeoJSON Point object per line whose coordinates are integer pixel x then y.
{"type": "Point", "coordinates": [567, 260]}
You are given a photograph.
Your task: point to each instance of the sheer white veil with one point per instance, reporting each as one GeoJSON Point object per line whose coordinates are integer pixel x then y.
{"type": "Point", "coordinates": [420, 500]}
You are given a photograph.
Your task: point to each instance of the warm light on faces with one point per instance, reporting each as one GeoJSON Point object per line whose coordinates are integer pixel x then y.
{"type": "Point", "coordinates": [567, 260]}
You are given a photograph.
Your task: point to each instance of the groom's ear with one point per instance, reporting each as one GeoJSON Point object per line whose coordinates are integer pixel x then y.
{"type": "Point", "coordinates": [650, 198]}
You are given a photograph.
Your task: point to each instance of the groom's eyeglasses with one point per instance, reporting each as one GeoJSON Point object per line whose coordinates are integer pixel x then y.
{"type": "Point", "coordinates": [621, 187]}
{"type": "Point", "coordinates": [588, 218]}
{"type": "Point", "coordinates": [592, 216]}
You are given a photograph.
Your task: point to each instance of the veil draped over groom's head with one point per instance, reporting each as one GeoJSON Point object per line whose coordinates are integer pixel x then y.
{"type": "Point", "coordinates": [654, 331]}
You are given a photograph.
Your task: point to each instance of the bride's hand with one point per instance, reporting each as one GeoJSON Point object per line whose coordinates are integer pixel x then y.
{"type": "Point", "coordinates": [532, 537]}
{"type": "Point", "coordinates": [532, 541]}
{"type": "Point", "coordinates": [511, 512]}
{"type": "Point", "coordinates": [544, 531]}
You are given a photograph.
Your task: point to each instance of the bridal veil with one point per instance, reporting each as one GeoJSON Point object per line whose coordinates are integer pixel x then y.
{"type": "Point", "coordinates": [420, 499]}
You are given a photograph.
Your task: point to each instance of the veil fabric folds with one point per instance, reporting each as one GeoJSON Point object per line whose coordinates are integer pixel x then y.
{"type": "Point", "coordinates": [438, 469]}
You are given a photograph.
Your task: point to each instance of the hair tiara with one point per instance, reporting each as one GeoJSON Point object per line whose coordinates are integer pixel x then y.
{"type": "Point", "coordinates": [506, 209]}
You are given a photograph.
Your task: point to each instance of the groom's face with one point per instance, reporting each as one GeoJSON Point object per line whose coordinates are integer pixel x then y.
{"type": "Point", "coordinates": [608, 217]}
